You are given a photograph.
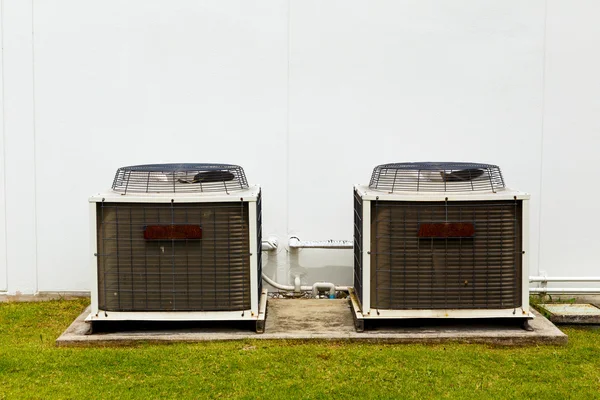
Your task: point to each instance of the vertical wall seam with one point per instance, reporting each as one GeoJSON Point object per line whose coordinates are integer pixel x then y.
{"type": "Point", "coordinates": [3, 141]}
{"type": "Point", "coordinates": [542, 136]}
{"type": "Point", "coordinates": [35, 204]}
{"type": "Point", "coordinates": [287, 140]}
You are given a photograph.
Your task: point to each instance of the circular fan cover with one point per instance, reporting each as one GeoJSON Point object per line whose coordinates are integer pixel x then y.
{"type": "Point", "coordinates": [180, 178]}
{"type": "Point", "coordinates": [437, 177]}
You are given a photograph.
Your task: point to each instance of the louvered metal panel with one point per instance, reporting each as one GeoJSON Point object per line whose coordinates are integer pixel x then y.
{"type": "Point", "coordinates": [259, 242]}
{"type": "Point", "coordinates": [207, 274]}
{"type": "Point", "coordinates": [482, 271]}
{"type": "Point", "coordinates": [358, 250]}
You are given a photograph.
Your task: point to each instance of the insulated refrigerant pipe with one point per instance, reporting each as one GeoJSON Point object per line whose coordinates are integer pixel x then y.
{"type": "Point", "coordinates": [296, 243]}
{"type": "Point", "coordinates": [288, 288]}
{"type": "Point", "coordinates": [545, 279]}
{"type": "Point", "coordinates": [324, 286]}
{"type": "Point", "coordinates": [564, 279]}
{"type": "Point", "coordinates": [565, 290]}
{"type": "Point", "coordinates": [271, 245]}
{"type": "Point", "coordinates": [315, 288]}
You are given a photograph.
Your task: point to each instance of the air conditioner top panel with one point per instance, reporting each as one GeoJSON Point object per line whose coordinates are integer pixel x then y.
{"type": "Point", "coordinates": [250, 195]}
{"type": "Point", "coordinates": [366, 193]}
{"type": "Point", "coordinates": [437, 177]}
{"type": "Point", "coordinates": [180, 178]}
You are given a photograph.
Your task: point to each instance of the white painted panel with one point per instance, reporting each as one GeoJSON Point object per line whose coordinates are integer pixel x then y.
{"type": "Point", "coordinates": [3, 272]}
{"type": "Point", "coordinates": [19, 147]}
{"type": "Point", "coordinates": [124, 82]}
{"type": "Point", "coordinates": [386, 81]}
{"type": "Point", "coordinates": [138, 81]}
{"type": "Point", "coordinates": [570, 217]}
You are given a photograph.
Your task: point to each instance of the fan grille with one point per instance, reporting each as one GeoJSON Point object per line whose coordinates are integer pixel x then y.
{"type": "Point", "coordinates": [180, 178]}
{"type": "Point", "coordinates": [437, 177]}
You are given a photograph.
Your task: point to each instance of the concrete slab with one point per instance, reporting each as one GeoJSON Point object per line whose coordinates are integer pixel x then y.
{"type": "Point", "coordinates": [576, 313]}
{"type": "Point", "coordinates": [311, 319]}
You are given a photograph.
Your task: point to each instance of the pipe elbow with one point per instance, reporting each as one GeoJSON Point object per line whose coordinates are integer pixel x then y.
{"type": "Point", "coordinates": [270, 244]}
{"type": "Point", "coordinates": [318, 286]}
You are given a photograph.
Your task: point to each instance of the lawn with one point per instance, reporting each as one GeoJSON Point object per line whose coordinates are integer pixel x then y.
{"type": "Point", "coordinates": [32, 367]}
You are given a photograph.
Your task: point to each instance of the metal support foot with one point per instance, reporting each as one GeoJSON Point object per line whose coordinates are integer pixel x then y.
{"type": "Point", "coordinates": [260, 326]}
{"type": "Point", "coordinates": [525, 325]}
{"type": "Point", "coordinates": [262, 311]}
{"type": "Point", "coordinates": [359, 324]}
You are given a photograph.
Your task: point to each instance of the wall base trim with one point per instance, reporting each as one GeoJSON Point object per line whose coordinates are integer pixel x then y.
{"type": "Point", "coordinates": [43, 296]}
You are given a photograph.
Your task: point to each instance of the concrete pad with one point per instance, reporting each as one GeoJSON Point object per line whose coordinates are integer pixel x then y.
{"type": "Point", "coordinates": [312, 319]}
{"type": "Point", "coordinates": [577, 313]}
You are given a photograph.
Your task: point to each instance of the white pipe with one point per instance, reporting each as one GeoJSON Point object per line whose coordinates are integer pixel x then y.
{"type": "Point", "coordinates": [270, 244]}
{"type": "Point", "coordinates": [545, 289]}
{"type": "Point", "coordinates": [297, 284]}
{"type": "Point", "coordinates": [565, 290]}
{"type": "Point", "coordinates": [296, 243]}
{"type": "Point", "coordinates": [564, 279]}
{"type": "Point", "coordinates": [328, 285]}
{"type": "Point", "coordinates": [317, 286]}
{"type": "Point", "coordinates": [288, 288]}
{"type": "Point", "coordinates": [303, 288]}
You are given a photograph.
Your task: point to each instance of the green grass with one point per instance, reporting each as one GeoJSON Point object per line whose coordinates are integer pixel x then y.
{"type": "Point", "coordinates": [32, 367]}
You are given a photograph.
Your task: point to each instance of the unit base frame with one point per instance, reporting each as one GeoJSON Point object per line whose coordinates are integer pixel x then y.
{"type": "Point", "coordinates": [381, 314]}
{"type": "Point", "coordinates": [172, 316]}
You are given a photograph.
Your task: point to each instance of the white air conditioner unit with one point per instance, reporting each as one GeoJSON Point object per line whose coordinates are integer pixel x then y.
{"type": "Point", "coordinates": [177, 242]}
{"type": "Point", "coordinates": [440, 240]}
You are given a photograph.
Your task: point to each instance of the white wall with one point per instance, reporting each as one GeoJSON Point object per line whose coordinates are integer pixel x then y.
{"type": "Point", "coordinates": [120, 83]}
{"type": "Point", "coordinates": [386, 81]}
{"type": "Point", "coordinates": [571, 146]}
{"type": "Point", "coordinates": [3, 271]}
{"type": "Point", "coordinates": [19, 147]}
{"type": "Point", "coordinates": [308, 96]}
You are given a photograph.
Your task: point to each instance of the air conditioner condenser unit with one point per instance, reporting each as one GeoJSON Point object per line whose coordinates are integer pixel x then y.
{"type": "Point", "coordinates": [440, 240]}
{"type": "Point", "coordinates": [177, 242]}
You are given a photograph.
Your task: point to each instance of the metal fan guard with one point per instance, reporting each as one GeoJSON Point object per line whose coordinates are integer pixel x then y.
{"type": "Point", "coordinates": [180, 178]}
{"type": "Point", "coordinates": [437, 177]}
